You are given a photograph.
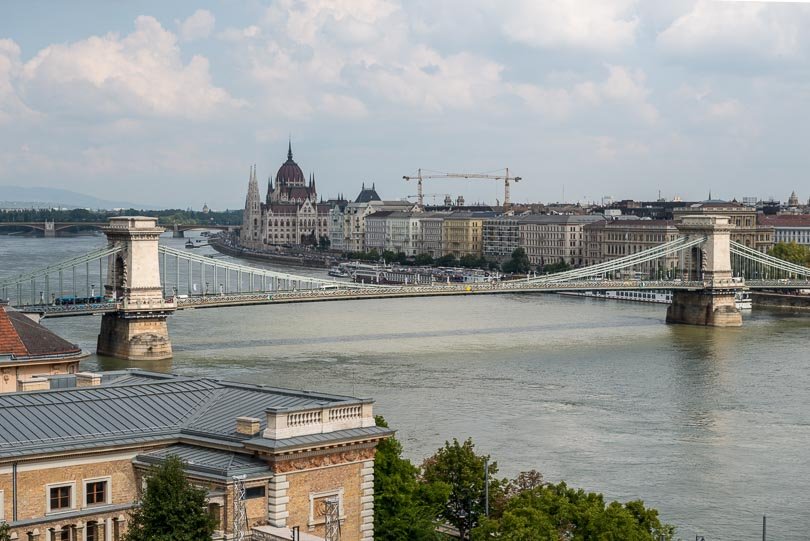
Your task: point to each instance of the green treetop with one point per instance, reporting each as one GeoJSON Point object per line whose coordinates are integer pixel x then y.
{"type": "Point", "coordinates": [171, 509]}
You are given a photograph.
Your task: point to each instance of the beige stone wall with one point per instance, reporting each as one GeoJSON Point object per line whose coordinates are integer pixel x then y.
{"type": "Point", "coordinates": [32, 480]}
{"type": "Point", "coordinates": [302, 485]}
{"type": "Point", "coordinates": [9, 375]}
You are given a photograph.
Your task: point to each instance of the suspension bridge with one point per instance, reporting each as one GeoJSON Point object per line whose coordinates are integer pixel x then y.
{"type": "Point", "coordinates": [51, 228]}
{"type": "Point", "coordinates": [135, 283]}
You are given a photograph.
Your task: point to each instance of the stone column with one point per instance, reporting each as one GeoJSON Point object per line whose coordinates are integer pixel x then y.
{"type": "Point", "coordinates": [277, 500]}
{"type": "Point", "coordinates": [138, 329]}
{"type": "Point", "coordinates": [367, 501]}
{"type": "Point", "coordinates": [714, 304]}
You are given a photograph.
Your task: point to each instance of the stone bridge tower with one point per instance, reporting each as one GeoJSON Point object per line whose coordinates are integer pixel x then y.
{"type": "Point", "coordinates": [713, 305]}
{"type": "Point", "coordinates": [137, 330]}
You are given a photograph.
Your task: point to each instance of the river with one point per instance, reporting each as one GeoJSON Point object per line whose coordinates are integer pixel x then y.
{"type": "Point", "coordinates": [710, 426]}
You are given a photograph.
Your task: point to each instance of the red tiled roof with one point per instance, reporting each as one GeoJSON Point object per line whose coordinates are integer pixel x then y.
{"type": "Point", "coordinates": [10, 341]}
{"type": "Point", "coordinates": [785, 220]}
{"type": "Point", "coordinates": [22, 338]}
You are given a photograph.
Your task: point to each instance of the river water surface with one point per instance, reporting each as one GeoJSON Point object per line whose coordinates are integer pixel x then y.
{"type": "Point", "coordinates": [710, 426]}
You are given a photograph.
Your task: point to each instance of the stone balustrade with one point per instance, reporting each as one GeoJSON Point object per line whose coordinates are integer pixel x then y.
{"type": "Point", "coordinates": [283, 423]}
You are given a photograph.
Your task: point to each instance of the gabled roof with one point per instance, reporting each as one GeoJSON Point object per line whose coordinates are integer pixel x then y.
{"type": "Point", "coordinates": [367, 194]}
{"type": "Point", "coordinates": [23, 339]}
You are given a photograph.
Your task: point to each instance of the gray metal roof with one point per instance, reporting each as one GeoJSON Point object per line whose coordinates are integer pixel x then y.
{"type": "Point", "coordinates": [150, 408]}
{"type": "Point", "coordinates": [315, 439]}
{"type": "Point", "coordinates": [208, 462]}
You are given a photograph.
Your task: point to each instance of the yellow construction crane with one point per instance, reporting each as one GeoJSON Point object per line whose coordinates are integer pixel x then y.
{"type": "Point", "coordinates": [505, 178]}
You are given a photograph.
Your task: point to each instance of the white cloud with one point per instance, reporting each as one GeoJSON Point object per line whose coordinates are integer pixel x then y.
{"type": "Point", "coordinates": [343, 106]}
{"type": "Point", "coordinates": [583, 24]}
{"type": "Point", "coordinates": [11, 106]}
{"type": "Point", "coordinates": [724, 110]}
{"type": "Point", "coordinates": [240, 34]}
{"type": "Point", "coordinates": [610, 148]}
{"type": "Point", "coordinates": [140, 73]}
{"type": "Point", "coordinates": [747, 29]}
{"type": "Point", "coordinates": [198, 26]}
{"type": "Point", "coordinates": [623, 86]}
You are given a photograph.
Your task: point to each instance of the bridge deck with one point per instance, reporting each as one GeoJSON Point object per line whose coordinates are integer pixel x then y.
{"type": "Point", "coordinates": [322, 295]}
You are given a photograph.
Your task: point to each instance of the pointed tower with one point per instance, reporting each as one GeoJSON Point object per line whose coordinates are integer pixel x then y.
{"type": "Point", "coordinates": [252, 215]}
{"type": "Point", "coordinates": [269, 197]}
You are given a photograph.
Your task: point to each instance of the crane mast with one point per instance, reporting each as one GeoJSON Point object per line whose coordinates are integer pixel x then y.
{"type": "Point", "coordinates": [505, 178]}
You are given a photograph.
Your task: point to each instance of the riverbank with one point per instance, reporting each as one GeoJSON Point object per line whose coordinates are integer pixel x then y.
{"type": "Point", "coordinates": [283, 259]}
{"type": "Point", "coordinates": [780, 300]}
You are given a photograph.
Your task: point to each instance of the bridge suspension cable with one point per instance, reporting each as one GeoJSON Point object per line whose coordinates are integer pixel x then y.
{"type": "Point", "coordinates": [257, 279]}
{"type": "Point", "coordinates": [65, 281]}
{"type": "Point", "coordinates": [767, 262]}
{"type": "Point", "coordinates": [670, 248]}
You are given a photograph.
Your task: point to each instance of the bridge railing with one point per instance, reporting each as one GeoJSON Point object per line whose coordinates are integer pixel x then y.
{"type": "Point", "coordinates": [435, 289]}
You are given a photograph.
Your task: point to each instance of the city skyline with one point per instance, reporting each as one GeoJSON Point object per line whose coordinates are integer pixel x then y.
{"type": "Point", "coordinates": [170, 105]}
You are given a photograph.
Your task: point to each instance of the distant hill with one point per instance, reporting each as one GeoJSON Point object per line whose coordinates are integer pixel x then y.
{"type": "Point", "coordinates": [40, 197]}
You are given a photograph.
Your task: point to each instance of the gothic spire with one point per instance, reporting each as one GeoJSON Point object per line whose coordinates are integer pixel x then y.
{"type": "Point", "coordinates": [289, 149]}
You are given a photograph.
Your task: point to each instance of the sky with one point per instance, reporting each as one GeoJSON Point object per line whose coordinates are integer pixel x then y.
{"type": "Point", "coordinates": [170, 103]}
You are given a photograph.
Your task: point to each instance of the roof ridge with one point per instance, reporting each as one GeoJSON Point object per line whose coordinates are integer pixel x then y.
{"type": "Point", "coordinates": [72, 390]}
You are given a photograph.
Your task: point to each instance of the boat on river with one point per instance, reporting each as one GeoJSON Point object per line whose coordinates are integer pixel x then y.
{"type": "Point", "coordinates": [657, 296]}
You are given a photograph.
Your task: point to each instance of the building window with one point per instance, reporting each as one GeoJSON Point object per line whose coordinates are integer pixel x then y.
{"type": "Point", "coordinates": [60, 497]}
{"type": "Point", "coordinates": [96, 492]}
{"type": "Point", "coordinates": [318, 503]}
{"type": "Point", "coordinates": [254, 492]}
{"type": "Point", "coordinates": [92, 531]}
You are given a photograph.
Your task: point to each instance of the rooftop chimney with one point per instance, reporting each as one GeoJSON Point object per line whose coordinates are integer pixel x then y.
{"type": "Point", "coordinates": [88, 379]}
{"type": "Point", "coordinates": [249, 426]}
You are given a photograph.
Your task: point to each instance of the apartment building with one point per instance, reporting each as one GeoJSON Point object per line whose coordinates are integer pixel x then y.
{"type": "Point", "coordinates": [501, 236]}
{"type": "Point", "coordinates": [612, 239]}
{"type": "Point", "coordinates": [462, 233]}
{"type": "Point", "coordinates": [550, 239]}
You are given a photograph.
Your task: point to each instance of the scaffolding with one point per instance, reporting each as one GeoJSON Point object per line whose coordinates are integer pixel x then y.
{"type": "Point", "coordinates": [332, 515]}
{"type": "Point", "coordinates": [239, 512]}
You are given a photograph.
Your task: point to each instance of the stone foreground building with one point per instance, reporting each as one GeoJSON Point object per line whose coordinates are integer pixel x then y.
{"type": "Point", "coordinates": [290, 213]}
{"type": "Point", "coordinates": [73, 458]}
{"type": "Point", "coordinates": [30, 352]}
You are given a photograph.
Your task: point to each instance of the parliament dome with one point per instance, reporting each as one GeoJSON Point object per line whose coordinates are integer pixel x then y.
{"type": "Point", "coordinates": [289, 174]}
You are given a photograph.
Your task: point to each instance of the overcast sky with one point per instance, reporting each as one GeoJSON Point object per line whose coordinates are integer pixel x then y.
{"type": "Point", "coordinates": [169, 103]}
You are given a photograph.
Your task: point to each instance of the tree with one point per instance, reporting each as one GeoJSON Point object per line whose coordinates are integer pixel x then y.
{"type": "Point", "coordinates": [423, 259]}
{"type": "Point", "coordinates": [553, 512]}
{"type": "Point", "coordinates": [458, 467]}
{"type": "Point", "coordinates": [171, 508]}
{"type": "Point", "coordinates": [324, 243]}
{"type": "Point", "coordinates": [792, 252]}
{"type": "Point", "coordinates": [560, 266]}
{"type": "Point", "coordinates": [448, 260]}
{"type": "Point", "coordinates": [5, 531]}
{"type": "Point", "coordinates": [401, 510]}
{"type": "Point", "coordinates": [519, 263]}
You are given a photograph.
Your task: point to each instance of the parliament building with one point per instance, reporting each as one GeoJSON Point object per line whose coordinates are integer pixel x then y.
{"type": "Point", "coordinates": [290, 213]}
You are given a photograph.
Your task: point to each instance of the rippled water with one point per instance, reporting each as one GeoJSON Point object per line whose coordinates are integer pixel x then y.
{"type": "Point", "coordinates": [710, 426]}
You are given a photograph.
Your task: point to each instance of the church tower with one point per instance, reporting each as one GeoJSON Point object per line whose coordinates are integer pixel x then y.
{"type": "Point", "coordinates": [250, 236]}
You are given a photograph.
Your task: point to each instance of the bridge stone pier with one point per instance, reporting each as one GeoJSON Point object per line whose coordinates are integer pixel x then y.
{"type": "Point", "coordinates": [137, 330]}
{"type": "Point", "coordinates": [710, 262]}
